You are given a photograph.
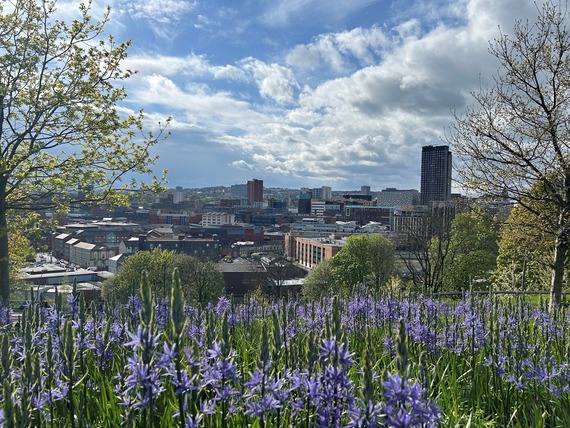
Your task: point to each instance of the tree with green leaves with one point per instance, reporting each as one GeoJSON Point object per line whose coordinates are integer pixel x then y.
{"type": "Point", "coordinates": [61, 127]}
{"type": "Point", "coordinates": [526, 244]}
{"type": "Point", "coordinates": [525, 252]}
{"type": "Point", "coordinates": [22, 228]}
{"type": "Point", "coordinates": [201, 281]}
{"type": "Point", "coordinates": [517, 133]}
{"type": "Point", "coordinates": [472, 254]}
{"type": "Point", "coordinates": [320, 281]}
{"type": "Point", "coordinates": [158, 265]}
{"type": "Point", "coordinates": [364, 259]}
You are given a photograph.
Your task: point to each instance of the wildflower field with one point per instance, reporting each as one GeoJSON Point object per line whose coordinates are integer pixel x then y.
{"type": "Point", "coordinates": [367, 361]}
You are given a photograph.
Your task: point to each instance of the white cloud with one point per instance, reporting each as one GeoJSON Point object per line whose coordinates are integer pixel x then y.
{"type": "Point", "coordinates": [164, 11]}
{"type": "Point", "coordinates": [322, 53]}
{"type": "Point", "coordinates": [190, 66]}
{"type": "Point", "coordinates": [410, 29]}
{"type": "Point", "coordinates": [337, 50]}
{"type": "Point", "coordinates": [392, 91]}
{"type": "Point", "coordinates": [228, 72]}
{"type": "Point", "coordinates": [163, 16]}
{"type": "Point", "coordinates": [205, 23]}
{"type": "Point", "coordinates": [376, 119]}
{"type": "Point", "coordinates": [213, 112]}
{"type": "Point", "coordinates": [241, 164]}
{"type": "Point", "coordinates": [275, 82]}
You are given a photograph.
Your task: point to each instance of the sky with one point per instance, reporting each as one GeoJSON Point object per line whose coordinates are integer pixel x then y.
{"type": "Point", "coordinates": [305, 93]}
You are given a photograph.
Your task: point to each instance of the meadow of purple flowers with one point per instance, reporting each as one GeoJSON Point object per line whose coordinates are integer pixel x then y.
{"type": "Point", "coordinates": [365, 361]}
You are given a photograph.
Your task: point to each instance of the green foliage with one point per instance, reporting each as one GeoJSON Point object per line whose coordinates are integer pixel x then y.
{"type": "Point", "coordinates": [320, 281]}
{"type": "Point", "coordinates": [201, 281]}
{"type": "Point", "coordinates": [472, 253]}
{"type": "Point", "coordinates": [158, 265]}
{"type": "Point", "coordinates": [61, 128]}
{"type": "Point", "coordinates": [525, 251]}
{"type": "Point", "coordinates": [364, 259]}
{"type": "Point", "coordinates": [20, 248]}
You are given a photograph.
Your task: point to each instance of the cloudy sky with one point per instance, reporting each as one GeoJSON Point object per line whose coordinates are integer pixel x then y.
{"type": "Point", "coordinates": [306, 93]}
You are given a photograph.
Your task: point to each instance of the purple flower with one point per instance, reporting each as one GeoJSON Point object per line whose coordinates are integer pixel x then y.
{"type": "Point", "coordinates": [134, 305]}
{"type": "Point", "coordinates": [219, 374]}
{"type": "Point", "coordinates": [185, 384]}
{"type": "Point", "coordinates": [5, 316]}
{"type": "Point", "coordinates": [405, 405]}
{"type": "Point", "coordinates": [193, 421]}
{"type": "Point", "coordinates": [73, 304]}
{"type": "Point", "coordinates": [166, 357]}
{"type": "Point", "coordinates": [331, 391]}
{"type": "Point", "coordinates": [365, 415]}
{"type": "Point", "coordinates": [330, 350]}
{"type": "Point", "coordinates": [143, 339]}
{"type": "Point", "coordinates": [60, 390]}
{"type": "Point", "coordinates": [143, 379]}
{"type": "Point", "coordinates": [223, 305]}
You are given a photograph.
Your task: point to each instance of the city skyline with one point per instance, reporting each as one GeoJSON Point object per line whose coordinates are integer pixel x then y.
{"type": "Point", "coordinates": [435, 181]}
{"type": "Point", "coordinates": [297, 94]}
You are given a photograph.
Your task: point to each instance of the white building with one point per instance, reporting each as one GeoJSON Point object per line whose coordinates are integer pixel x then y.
{"type": "Point", "coordinates": [319, 206]}
{"type": "Point", "coordinates": [88, 255]}
{"type": "Point", "coordinates": [116, 262]}
{"type": "Point", "coordinates": [217, 219]}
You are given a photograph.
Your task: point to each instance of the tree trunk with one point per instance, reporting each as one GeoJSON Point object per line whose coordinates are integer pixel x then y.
{"type": "Point", "coordinates": [557, 280]}
{"type": "Point", "coordinates": [4, 256]}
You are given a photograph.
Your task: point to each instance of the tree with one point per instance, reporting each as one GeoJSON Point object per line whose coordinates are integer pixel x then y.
{"type": "Point", "coordinates": [60, 124]}
{"type": "Point", "coordinates": [426, 246]}
{"type": "Point", "coordinates": [201, 281]}
{"type": "Point", "coordinates": [472, 251]}
{"type": "Point", "coordinates": [517, 134]}
{"type": "Point", "coordinates": [365, 259]}
{"type": "Point", "coordinates": [526, 243]}
{"type": "Point", "coordinates": [320, 281]}
{"type": "Point", "coordinates": [525, 252]}
{"type": "Point", "coordinates": [158, 265]}
{"type": "Point", "coordinates": [19, 244]}
{"type": "Point", "coordinates": [278, 270]}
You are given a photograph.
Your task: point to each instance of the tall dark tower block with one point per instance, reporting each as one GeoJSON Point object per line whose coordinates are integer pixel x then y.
{"type": "Point", "coordinates": [254, 191]}
{"type": "Point", "coordinates": [436, 174]}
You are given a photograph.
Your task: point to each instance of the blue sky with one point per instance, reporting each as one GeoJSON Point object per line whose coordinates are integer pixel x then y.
{"type": "Point", "coordinates": [305, 93]}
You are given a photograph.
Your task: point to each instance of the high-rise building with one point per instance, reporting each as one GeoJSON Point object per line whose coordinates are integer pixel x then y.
{"type": "Point", "coordinates": [254, 191]}
{"type": "Point", "coordinates": [178, 194]}
{"type": "Point", "coordinates": [324, 192]}
{"type": "Point", "coordinates": [304, 206]}
{"type": "Point", "coordinates": [435, 174]}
